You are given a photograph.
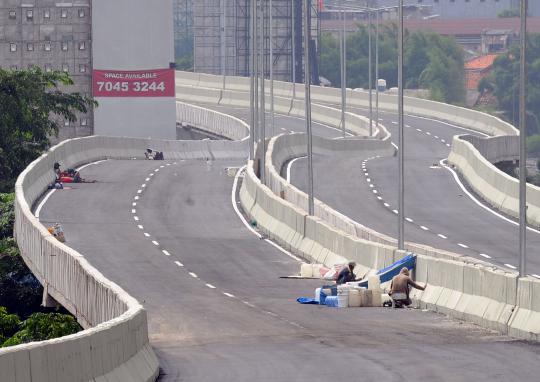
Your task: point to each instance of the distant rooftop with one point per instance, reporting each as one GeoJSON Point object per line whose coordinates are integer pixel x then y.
{"type": "Point", "coordinates": [481, 63]}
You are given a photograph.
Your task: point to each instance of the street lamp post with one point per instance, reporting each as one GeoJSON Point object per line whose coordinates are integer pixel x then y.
{"type": "Point", "coordinates": [343, 74]}
{"type": "Point", "coordinates": [377, 69]}
{"type": "Point", "coordinates": [522, 144]}
{"type": "Point", "coordinates": [271, 43]}
{"type": "Point", "coordinates": [369, 76]}
{"type": "Point", "coordinates": [262, 137]}
{"type": "Point", "coordinates": [293, 46]}
{"type": "Point", "coordinates": [401, 148]}
{"type": "Point", "coordinates": [307, 98]}
{"type": "Point", "coordinates": [252, 101]}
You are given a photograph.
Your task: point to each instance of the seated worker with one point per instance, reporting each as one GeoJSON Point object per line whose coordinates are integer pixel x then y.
{"type": "Point", "coordinates": [346, 274]}
{"type": "Point", "coordinates": [149, 154]}
{"type": "Point", "coordinates": [401, 284]}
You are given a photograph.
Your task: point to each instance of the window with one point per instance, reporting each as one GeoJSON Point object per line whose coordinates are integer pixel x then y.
{"type": "Point", "coordinates": [30, 47]}
{"type": "Point", "coordinates": [82, 68]}
{"type": "Point", "coordinates": [47, 14]}
{"type": "Point", "coordinates": [82, 45]}
{"type": "Point", "coordinates": [65, 68]}
{"type": "Point", "coordinates": [47, 46]}
{"type": "Point", "coordinates": [64, 45]}
{"type": "Point", "coordinates": [64, 13]}
{"type": "Point", "coordinates": [12, 15]}
{"type": "Point", "coordinates": [29, 14]}
{"type": "Point", "coordinates": [12, 47]}
{"type": "Point", "coordinates": [82, 13]}
{"type": "Point", "coordinates": [84, 121]}
{"type": "Point", "coordinates": [47, 67]}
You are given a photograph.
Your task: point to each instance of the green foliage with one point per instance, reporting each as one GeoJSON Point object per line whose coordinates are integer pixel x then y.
{"type": "Point", "coordinates": [9, 324]}
{"type": "Point", "coordinates": [431, 61]}
{"type": "Point", "coordinates": [42, 326]}
{"type": "Point", "coordinates": [185, 63]}
{"type": "Point", "coordinates": [20, 291]}
{"type": "Point", "coordinates": [505, 81]}
{"type": "Point", "coordinates": [30, 107]}
{"type": "Point", "coordinates": [533, 145]}
{"type": "Point", "coordinates": [7, 215]}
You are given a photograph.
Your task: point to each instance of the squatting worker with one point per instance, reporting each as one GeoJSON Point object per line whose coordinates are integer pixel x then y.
{"type": "Point", "coordinates": [402, 283]}
{"type": "Point", "coordinates": [346, 274]}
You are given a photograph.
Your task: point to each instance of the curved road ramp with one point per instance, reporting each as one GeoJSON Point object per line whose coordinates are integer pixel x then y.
{"type": "Point", "coordinates": [114, 345]}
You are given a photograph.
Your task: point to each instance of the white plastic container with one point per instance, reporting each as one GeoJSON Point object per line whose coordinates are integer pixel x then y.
{"type": "Point", "coordinates": [306, 270]}
{"type": "Point", "coordinates": [374, 282]}
{"type": "Point", "coordinates": [318, 295]}
{"type": "Point", "coordinates": [376, 299]}
{"type": "Point", "coordinates": [354, 298]}
{"type": "Point", "coordinates": [343, 296]}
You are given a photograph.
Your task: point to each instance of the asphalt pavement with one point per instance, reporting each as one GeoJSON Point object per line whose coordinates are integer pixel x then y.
{"type": "Point", "coordinates": [218, 310]}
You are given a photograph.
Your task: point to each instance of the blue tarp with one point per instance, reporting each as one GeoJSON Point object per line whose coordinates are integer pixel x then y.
{"type": "Point", "coordinates": [386, 274]}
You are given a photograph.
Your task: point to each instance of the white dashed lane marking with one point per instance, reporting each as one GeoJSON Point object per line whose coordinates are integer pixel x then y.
{"type": "Point", "coordinates": [409, 220]}
{"type": "Point", "coordinates": [210, 286]}
{"type": "Point", "coordinates": [485, 256]}
{"type": "Point", "coordinates": [442, 236]}
{"type": "Point", "coordinates": [463, 245]}
{"type": "Point", "coordinates": [136, 198]}
{"type": "Point", "coordinates": [146, 234]}
{"type": "Point", "coordinates": [136, 218]}
{"type": "Point", "coordinates": [134, 204]}
{"type": "Point", "coordinates": [424, 228]}
{"type": "Point", "coordinates": [194, 275]}
{"type": "Point", "coordinates": [228, 294]}
{"type": "Point", "coordinates": [140, 226]}
{"type": "Point", "coordinates": [510, 266]}
{"type": "Point", "coordinates": [155, 243]}
{"type": "Point", "coordinates": [133, 211]}
{"type": "Point", "coordinates": [139, 191]}
{"type": "Point", "coordinates": [179, 263]}
{"type": "Point", "coordinates": [166, 253]}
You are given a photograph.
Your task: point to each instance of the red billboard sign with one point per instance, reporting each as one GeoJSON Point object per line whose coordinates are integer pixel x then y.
{"type": "Point", "coordinates": [133, 83]}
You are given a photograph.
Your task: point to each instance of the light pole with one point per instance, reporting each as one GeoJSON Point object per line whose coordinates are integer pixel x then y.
{"type": "Point", "coordinates": [262, 137]}
{"type": "Point", "coordinates": [271, 43]}
{"type": "Point", "coordinates": [522, 145]}
{"type": "Point", "coordinates": [307, 98]}
{"type": "Point", "coordinates": [369, 76]}
{"type": "Point", "coordinates": [401, 148]}
{"type": "Point", "coordinates": [293, 46]}
{"type": "Point", "coordinates": [252, 100]}
{"type": "Point", "coordinates": [377, 69]}
{"type": "Point", "coordinates": [343, 74]}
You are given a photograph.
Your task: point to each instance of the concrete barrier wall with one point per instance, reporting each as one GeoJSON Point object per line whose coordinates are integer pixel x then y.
{"type": "Point", "coordinates": [114, 345]}
{"type": "Point", "coordinates": [497, 188]}
{"type": "Point", "coordinates": [496, 149]}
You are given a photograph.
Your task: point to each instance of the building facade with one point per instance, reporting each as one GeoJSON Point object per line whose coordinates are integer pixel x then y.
{"type": "Point", "coordinates": [52, 36]}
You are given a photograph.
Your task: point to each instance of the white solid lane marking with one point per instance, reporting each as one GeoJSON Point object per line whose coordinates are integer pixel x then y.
{"type": "Point", "coordinates": [140, 226]}
{"type": "Point", "coordinates": [409, 220]}
{"type": "Point", "coordinates": [179, 263]}
{"type": "Point", "coordinates": [42, 203]}
{"type": "Point", "coordinates": [233, 201]}
{"type": "Point", "coordinates": [155, 243]}
{"type": "Point", "coordinates": [136, 218]}
{"type": "Point", "coordinates": [463, 245]}
{"type": "Point", "coordinates": [535, 275]}
{"type": "Point", "coordinates": [283, 250]}
{"type": "Point", "coordinates": [133, 211]}
{"type": "Point", "coordinates": [485, 256]}
{"type": "Point", "coordinates": [90, 164]}
{"type": "Point", "coordinates": [442, 236]}
{"type": "Point", "coordinates": [289, 168]}
{"type": "Point", "coordinates": [146, 234]}
{"type": "Point", "coordinates": [464, 189]}
{"type": "Point", "coordinates": [165, 252]}
{"type": "Point", "coordinates": [193, 275]}
{"type": "Point", "coordinates": [228, 294]}
{"type": "Point", "coordinates": [510, 266]}
{"type": "Point", "coordinates": [424, 228]}
{"type": "Point", "coordinates": [210, 286]}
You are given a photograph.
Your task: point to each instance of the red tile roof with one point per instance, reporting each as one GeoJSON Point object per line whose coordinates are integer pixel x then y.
{"type": "Point", "coordinates": [481, 63]}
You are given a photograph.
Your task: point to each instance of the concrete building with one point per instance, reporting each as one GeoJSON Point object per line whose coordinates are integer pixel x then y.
{"type": "Point", "coordinates": [79, 36]}
{"type": "Point", "coordinates": [54, 36]}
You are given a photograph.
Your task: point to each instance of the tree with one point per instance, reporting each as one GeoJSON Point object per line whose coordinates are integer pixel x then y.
{"type": "Point", "coordinates": [430, 60]}
{"type": "Point", "coordinates": [9, 324]}
{"type": "Point", "coordinates": [42, 326]}
{"type": "Point", "coordinates": [31, 105]}
{"type": "Point", "coordinates": [7, 215]}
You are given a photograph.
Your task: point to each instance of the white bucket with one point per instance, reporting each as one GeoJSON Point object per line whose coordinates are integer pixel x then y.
{"type": "Point", "coordinates": [318, 294]}
{"type": "Point", "coordinates": [354, 298]}
{"type": "Point", "coordinates": [306, 270]}
{"type": "Point", "coordinates": [343, 296]}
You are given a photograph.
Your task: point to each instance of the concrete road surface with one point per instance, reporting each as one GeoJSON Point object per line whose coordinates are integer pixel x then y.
{"type": "Point", "coordinates": [218, 310]}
